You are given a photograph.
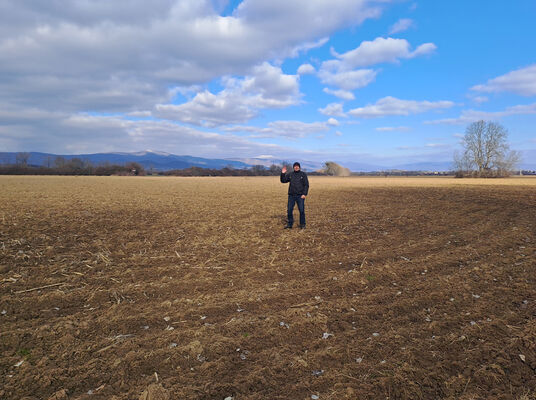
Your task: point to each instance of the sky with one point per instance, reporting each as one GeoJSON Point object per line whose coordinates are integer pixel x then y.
{"type": "Point", "coordinates": [381, 82]}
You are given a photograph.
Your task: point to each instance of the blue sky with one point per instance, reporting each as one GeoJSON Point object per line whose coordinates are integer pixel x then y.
{"type": "Point", "coordinates": [372, 82]}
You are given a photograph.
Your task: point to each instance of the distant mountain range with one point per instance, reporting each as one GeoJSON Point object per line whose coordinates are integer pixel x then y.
{"type": "Point", "coordinates": [161, 161]}
{"type": "Point", "coordinates": [156, 160]}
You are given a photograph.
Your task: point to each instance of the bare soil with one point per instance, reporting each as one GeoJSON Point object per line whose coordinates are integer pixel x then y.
{"type": "Point", "coordinates": [189, 288]}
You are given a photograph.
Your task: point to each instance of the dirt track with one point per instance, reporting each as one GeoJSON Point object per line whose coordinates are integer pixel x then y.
{"type": "Point", "coordinates": [397, 289]}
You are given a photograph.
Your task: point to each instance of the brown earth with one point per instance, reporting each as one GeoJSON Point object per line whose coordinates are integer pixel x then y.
{"type": "Point", "coordinates": [189, 288]}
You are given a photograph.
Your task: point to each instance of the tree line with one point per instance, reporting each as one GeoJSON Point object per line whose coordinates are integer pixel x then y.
{"type": "Point", "coordinates": [74, 166]}
{"type": "Point", "coordinates": [77, 166]}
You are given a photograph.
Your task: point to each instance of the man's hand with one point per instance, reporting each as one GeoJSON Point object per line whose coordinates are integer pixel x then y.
{"type": "Point", "coordinates": [303, 196]}
{"type": "Point", "coordinates": [284, 170]}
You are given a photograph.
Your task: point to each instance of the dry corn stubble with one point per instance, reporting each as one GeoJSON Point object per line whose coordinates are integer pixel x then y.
{"type": "Point", "coordinates": [409, 288]}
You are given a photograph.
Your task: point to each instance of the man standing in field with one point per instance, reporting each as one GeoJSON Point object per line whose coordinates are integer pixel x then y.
{"type": "Point", "coordinates": [297, 191]}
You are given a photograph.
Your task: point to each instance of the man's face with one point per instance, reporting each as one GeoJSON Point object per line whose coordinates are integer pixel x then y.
{"type": "Point", "coordinates": [296, 168]}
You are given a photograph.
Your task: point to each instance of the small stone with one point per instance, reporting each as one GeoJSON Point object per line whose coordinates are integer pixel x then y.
{"type": "Point", "coordinates": [314, 397]}
{"type": "Point", "coordinates": [375, 334]}
{"type": "Point", "coordinates": [522, 356]}
{"type": "Point", "coordinates": [318, 372]}
{"type": "Point", "coordinates": [4, 312]}
{"type": "Point", "coordinates": [473, 323]}
{"type": "Point", "coordinates": [326, 335]}
{"type": "Point", "coordinates": [476, 296]}
{"type": "Point", "coordinates": [166, 319]}
{"type": "Point", "coordinates": [358, 360]}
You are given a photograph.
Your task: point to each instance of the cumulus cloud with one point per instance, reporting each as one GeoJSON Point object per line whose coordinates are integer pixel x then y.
{"type": "Point", "coordinates": [333, 122]}
{"type": "Point", "coordinates": [239, 101]}
{"type": "Point", "coordinates": [83, 54]}
{"type": "Point", "coordinates": [333, 110]}
{"type": "Point", "coordinates": [379, 50]}
{"type": "Point", "coordinates": [341, 94]}
{"type": "Point", "coordinates": [287, 129]}
{"type": "Point", "coordinates": [520, 81]}
{"type": "Point", "coordinates": [306, 69]}
{"type": "Point", "coordinates": [468, 116]}
{"type": "Point", "coordinates": [291, 129]}
{"type": "Point", "coordinates": [347, 80]}
{"type": "Point", "coordinates": [347, 71]}
{"type": "Point", "coordinates": [401, 25]}
{"type": "Point", "coordinates": [393, 106]}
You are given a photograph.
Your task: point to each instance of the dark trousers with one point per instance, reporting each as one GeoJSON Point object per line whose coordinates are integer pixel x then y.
{"type": "Point", "coordinates": [290, 208]}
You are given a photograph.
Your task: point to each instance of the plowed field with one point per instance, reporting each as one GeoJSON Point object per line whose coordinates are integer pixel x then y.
{"type": "Point", "coordinates": [190, 288]}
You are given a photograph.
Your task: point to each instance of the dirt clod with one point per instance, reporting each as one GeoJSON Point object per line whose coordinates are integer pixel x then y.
{"type": "Point", "coordinates": [155, 391]}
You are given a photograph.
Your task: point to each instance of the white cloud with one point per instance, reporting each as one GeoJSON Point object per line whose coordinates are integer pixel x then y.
{"type": "Point", "coordinates": [333, 122]}
{"type": "Point", "coordinates": [393, 128]}
{"type": "Point", "coordinates": [208, 109]}
{"type": "Point", "coordinates": [347, 80]}
{"type": "Point", "coordinates": [401, 25]}
{"type": "Point", "coordinates": [333, 110]}
{"type": "Point", "coordinates": [468, 116]}
{"type": "Point", "coordinates": [346, 70]}
{"type": "Point", "coordinates": [267, 87]}
{"type": "Point", "coordinates": [83, 55]}
{"type": "Point", "coordinates": [306, 69]}
{"type": "Point", "coordinates": [288, 129]}
{"type": "Point", "coordinates": [305, 47]}
{"type": "Point", "coordinates": [380, 50]}
{"type": "Point", "coordinates": [521, 81]}
{"type": "Point", "coordinates": [291, 129]}
{"type": "Point", "coordinates": [393, 106]}
{"type": "Point", "coordinates": [341, 94]}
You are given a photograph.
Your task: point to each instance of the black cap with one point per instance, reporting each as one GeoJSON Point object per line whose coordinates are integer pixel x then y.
{"type": "Point", "coordinates": [296, 163]}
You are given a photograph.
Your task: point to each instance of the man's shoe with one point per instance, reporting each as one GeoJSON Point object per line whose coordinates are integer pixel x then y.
{"type": "Point", "coordinates": [302, 226]}
{"type": "Point", "coordinates": [288, 226]}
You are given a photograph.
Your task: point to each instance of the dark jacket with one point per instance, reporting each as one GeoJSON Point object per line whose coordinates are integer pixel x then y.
{"type": "Point", "coordinates": [299, 184]}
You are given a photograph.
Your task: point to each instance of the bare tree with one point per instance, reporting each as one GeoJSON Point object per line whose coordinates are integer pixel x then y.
{"type": "Point", "coordinates": [21, 159]}
{"type": "Point", "coordinates": [59, 162]}
{"type": "Point", "coordinates": [486, 152]}
{"type": "Point", "coordinates": [47, 162]}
